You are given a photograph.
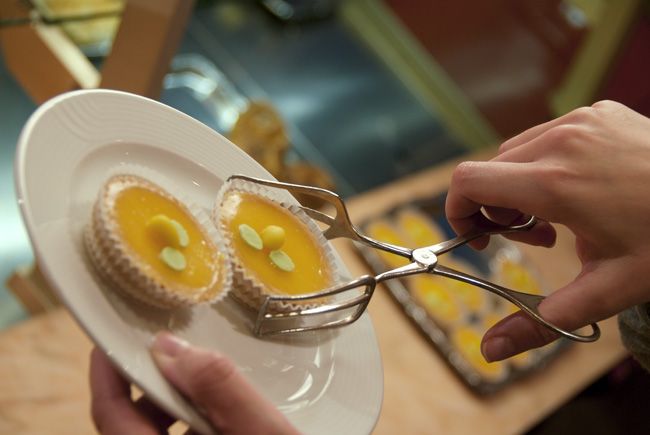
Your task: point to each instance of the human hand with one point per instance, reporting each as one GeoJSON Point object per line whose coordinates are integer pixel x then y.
{"type": "Point", "coordinates": [588, 170]}
{"type": "Point", "coordinates": [209, 380]}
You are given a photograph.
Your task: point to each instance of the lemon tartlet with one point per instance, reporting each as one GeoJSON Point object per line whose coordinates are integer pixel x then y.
{"type": "Point", "coordinates": [435, 296]}
{"type": "Point", "coordinates": [146, 242]}
{"type": "Point", "coordinates": [473, 298]}
{"type": "Point", "coordinates": [274, 247]}
{"type": "Point", "coordinates": [382, 230]}
{"type": "Point", "coordinates": [420, 228]}
{"type": "Point", "coordinates": [516, 276]}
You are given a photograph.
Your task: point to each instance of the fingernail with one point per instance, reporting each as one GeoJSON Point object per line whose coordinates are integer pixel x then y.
{"type": "Point", "coordinates": [168, 345]}
{"type": "Point", "coordinates": [497, 348]}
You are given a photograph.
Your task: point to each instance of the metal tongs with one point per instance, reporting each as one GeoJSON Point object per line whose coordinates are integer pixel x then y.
{"type": "Point", "coordinates": [423, 260]}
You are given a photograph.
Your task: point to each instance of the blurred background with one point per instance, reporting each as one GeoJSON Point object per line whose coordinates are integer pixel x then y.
{"type": "Point", "coordinates": [349, 95]}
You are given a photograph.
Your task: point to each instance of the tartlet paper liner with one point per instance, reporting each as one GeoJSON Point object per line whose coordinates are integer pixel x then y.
{"type": "Point", "coordinates": [115, 263]}
{"type": "Point", "coordinates": [247, 289]}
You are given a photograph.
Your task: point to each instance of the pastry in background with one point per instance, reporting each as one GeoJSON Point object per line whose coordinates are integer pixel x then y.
{"type": "Point", "coordinates": [512, 274]}
{"type": "Point", "coordinates": [260, 132]}
{"type": "Point", "coordinates": [473, 298]}
{"type": "Point", "coordinates": [381, 230]}
{"type": "Point", "coordinates": [435, 296]}
{"type": "Point", "coordinates": [419, 228]}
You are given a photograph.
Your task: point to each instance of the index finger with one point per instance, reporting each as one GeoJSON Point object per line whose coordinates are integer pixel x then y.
{"type": "Point", "coordinates": [477, 184]}
{"type": "Point", "coordinates": [505, 185]}
{"type": "Point", "coordinates": [112, 410]}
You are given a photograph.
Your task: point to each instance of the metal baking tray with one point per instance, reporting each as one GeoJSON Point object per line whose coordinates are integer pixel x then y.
{"type": "Point", "coordinates": [440, 334]}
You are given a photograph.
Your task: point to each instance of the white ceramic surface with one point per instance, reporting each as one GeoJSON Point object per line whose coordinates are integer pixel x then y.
{"type": "Point", "coordinates": [326, 382]}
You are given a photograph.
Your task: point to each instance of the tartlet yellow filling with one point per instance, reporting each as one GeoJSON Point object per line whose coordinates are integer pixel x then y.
{"type": "Point", "coordinates": [436, 298]}
{"type": "Point", "coordinates": [311, 272]}
{"type": "Point", "coordinates": [518, 277]}
{"type": "Point", "coordinates": [381, 230]}
{"type": "Point", "coordinates": [134, 208]}
{"type": "Point", "coordinates": [419, 228]}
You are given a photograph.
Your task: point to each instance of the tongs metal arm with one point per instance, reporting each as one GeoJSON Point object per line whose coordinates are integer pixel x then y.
{"type": "Point", "coordinates": [484, 228]}
{"type": "Point", "coordinates": [340, 225]}
{"type": "Point", "coordinates": [266, 317]}
{"type": "Point", "coordinates": [526, 302]}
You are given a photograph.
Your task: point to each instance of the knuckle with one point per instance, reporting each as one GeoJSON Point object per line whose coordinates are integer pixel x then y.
{"type": "Point", "coordinates": [542, 336]}
{"type": "Point", "coordinates": [567, 138]}
{"type": "Point", "coordinates": [553, 181]}
{"type": "Point", "coordinates": [582, 115]}
{"type": "Point", "coordinates": [560, 135]}
{"type": "Point", "coordinates": [557, 178]}
{"type": "Point", "coordinates": [592, 114]}
{"type": "Point", "coordinates": [606, 105]}
{"type": "Point", "coordinates": [505, 146]}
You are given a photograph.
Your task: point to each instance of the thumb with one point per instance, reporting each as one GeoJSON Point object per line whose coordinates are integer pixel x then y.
{"type": "Point", "coordinates": [599, 292]}
{"type": "Point", "coordinates": [213, 383]}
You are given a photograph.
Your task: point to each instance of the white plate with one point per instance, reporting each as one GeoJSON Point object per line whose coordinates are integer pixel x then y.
{"type": "Point", "coordinates": [329, 382]}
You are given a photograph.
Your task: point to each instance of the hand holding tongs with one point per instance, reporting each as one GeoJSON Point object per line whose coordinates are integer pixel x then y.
{"type": "Point", "coordinates": [423, 260]}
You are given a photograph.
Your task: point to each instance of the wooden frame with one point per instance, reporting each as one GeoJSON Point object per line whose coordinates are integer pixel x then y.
{"type": "Point", "coordinates": [46, 63]}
